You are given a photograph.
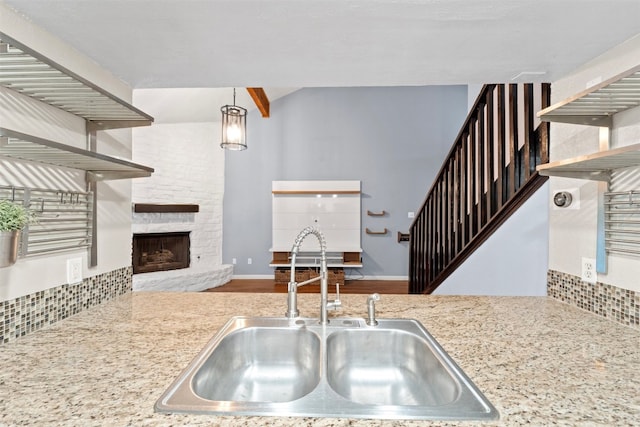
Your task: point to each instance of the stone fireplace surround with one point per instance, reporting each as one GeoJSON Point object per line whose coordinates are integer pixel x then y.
{"type": "Point", "coordinates": [198, 276]}
{"type": "Point", "coordinates": [189, 170]}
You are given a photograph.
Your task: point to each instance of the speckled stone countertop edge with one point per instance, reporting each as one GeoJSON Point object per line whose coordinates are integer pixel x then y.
{"type": "Point", "coordinates": [539, 361]}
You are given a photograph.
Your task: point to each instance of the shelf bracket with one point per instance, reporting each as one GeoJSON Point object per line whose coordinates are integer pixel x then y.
{"type": "Point", "coordinates": [603, 175]}
{"type": "Point", "coordinates": [116, 124]}
{"type": "Point", "coordinates": [594, 120]}
{"type": "Point", "coordinates": [92, 145]}
{"type": "Point", "coordinates": [383, 232]}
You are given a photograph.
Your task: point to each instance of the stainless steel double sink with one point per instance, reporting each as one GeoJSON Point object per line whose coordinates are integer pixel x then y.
{"type": "Point", "coordinates": [297, 367]}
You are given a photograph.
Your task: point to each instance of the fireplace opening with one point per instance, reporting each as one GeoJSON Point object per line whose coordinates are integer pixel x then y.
{"type": "Point", "coordinates": [160, 252]}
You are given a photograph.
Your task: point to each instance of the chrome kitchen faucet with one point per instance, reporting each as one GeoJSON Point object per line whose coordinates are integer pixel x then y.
{"type": "Point", "coordinates": [292, 294]}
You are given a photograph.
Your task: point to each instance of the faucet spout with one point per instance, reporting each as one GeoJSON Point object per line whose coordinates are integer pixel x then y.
{"type": "Point", "coordinates": [292, 294]}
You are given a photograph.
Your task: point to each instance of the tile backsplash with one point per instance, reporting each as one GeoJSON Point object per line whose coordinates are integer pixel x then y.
{"type": "Point", "coordinates": [26, 314]}
{"type": "Point", "coordinates": [21, 316]}
{"type": "Point", "coordinates": [617, 304]}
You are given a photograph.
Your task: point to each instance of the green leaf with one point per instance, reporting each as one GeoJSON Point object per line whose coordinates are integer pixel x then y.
{"type": "Point", "coordinates": [13, 216]}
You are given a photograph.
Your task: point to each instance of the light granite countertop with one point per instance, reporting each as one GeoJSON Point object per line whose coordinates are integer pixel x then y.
{"type": "Point", "coordinates": [539, 361]}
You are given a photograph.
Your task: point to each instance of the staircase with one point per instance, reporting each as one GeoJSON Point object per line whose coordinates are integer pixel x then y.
{"type": "Point", "coordinates": [488, 174]}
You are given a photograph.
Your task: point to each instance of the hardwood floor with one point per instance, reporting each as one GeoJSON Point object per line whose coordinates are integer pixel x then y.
{"type": "Point", "coordinates": [349, 287]}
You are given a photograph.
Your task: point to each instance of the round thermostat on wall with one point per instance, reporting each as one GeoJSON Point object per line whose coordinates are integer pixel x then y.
{"type": "Point", "coordinates": [562, 199]}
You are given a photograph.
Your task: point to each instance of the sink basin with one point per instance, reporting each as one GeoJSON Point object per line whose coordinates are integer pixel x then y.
{"type": "Point", "coordinates": [387, 367]}
{"type": "Point", "coordinates": [296, 367]}
{"type": "Point", "coordinates": [260, 365]}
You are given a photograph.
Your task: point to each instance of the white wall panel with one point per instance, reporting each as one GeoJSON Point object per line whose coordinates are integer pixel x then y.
{"type": "Point", "coordinates": [323, 220]}
{"type": "Point", "coordinates": [314, 204]}
{"type": "Point", "coordinates": [316, 185]}
{"type": "Point", "coordinates": [337, 241]}
{"type": "Point", "coordinates": [336, 215]}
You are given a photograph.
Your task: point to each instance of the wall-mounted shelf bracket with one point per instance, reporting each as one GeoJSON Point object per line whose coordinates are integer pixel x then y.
{"type": "Point", "coordinates": [383, 232]}
{"type": "Point", "coordinates": [403, 237]}
{"type": "Point", "coordinates": [93, 126]}
{"type": "Point", "coordinates": [604, 176]}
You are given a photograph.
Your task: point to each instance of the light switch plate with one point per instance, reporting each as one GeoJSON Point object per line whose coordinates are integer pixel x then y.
{"type": "Point", "coordinates": [74, 270]}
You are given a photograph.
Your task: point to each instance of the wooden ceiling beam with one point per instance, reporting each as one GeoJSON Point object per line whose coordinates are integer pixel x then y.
{"type": "Point", "coordinates": [260, 98]}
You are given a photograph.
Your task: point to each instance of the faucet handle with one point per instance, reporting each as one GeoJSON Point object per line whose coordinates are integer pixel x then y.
{"type": "Point", "coordinates": [335, 304]}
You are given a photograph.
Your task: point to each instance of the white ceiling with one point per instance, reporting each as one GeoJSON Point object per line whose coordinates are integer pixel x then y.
{"type": "Point", "coordinates": [305, 43]}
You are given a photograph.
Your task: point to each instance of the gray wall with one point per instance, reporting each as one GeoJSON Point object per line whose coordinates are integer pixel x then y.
{"type": "Point", "coordinates": [513, 261]}
{"type": "Point", "coordinates": [391, 139]}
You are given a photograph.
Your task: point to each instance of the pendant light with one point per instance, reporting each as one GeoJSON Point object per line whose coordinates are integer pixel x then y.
{"type": "Point", "coordinates": [234, 126]}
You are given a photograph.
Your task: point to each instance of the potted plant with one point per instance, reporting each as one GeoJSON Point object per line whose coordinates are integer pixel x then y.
{"type": "Point", "coordinates": [13, 218]}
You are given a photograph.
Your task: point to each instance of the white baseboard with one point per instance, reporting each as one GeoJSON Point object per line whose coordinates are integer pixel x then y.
{"type": "Point", "coordinates": [252, 276]}
{"type": "Point", "coordinates": [270, 276]}
{"type": "Point", "coordinates": [377, 278]}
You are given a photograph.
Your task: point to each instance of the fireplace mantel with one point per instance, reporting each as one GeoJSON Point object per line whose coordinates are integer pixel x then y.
{"type": "Point", "coordinates": [165, 208]}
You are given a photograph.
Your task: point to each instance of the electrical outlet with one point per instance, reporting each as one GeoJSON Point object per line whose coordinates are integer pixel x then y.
{"type": "Point", "coordinates": [589, 274]}
{"type": "Point", "coordinates": [74, 270]}
{"type": "Point", "coordinates": [249, 260]}
{"type": "Point", "coordinates": [411, 215]}
{"type": "Point", "coordinates": [234, 261]}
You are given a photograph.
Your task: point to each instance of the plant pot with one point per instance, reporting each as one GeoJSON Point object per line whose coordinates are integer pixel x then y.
{"type": "Point", "coordinates": [9, 243]}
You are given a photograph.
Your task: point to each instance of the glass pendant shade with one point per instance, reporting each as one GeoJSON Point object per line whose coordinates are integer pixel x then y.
{"type": "Point", "coordinates": [234, 126]}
